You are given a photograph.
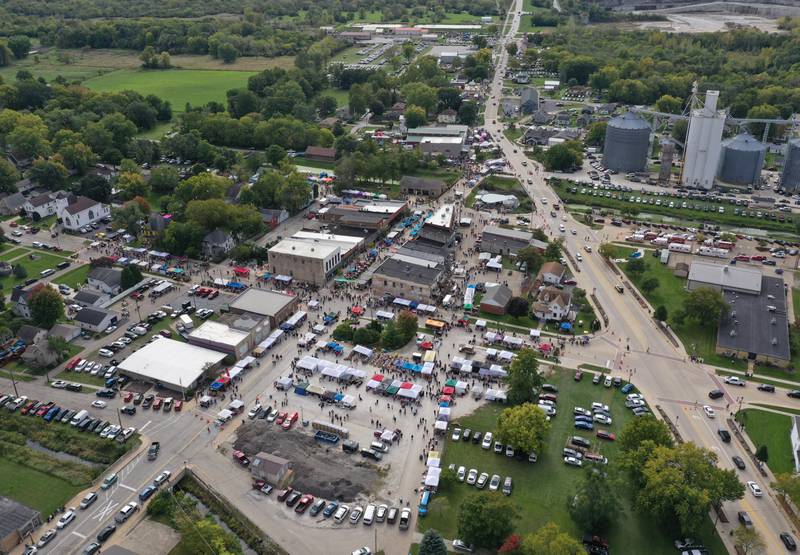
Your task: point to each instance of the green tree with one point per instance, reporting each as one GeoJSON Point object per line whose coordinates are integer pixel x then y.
{"type": "Point", "coordinates": [553, 251]}
{"type": "Point", "coordinates": [682, 483]}
{"type": "Point", "coordinates": [594, 505]}
{"type": "Point", "coordinates": [511, 48]}
{"type": "Point", "coordinates": [562, 157]}
{"type": "Point", "coordinates": [679, 130]}
{"type": "Point", "coordinates": [202, 187]}
{"type": "Point", "coordinates": [19, 271]}
{"type": "Point", "coordinates": [607, 250]}
{"type": "Point", "coordinates": [49, 173]}
{"type": "Point", "coordinates": [164, 179]}
{"type": "Point", "coordinates": [468, 113]}
{"type": "Point", "coordinates": [275, 154]}
{"type": "Point", "coordinates": [749, 541]}
{"type": "Point", "coordinates": [660, 313]}
{"type": "Point", "coordinates": [359, 98]}
{"type": "Point", "coordinates": [78, 157]}
{"type": "Point", "coordinates": [638, 440]}
{"type": "Point", "coordinates": [706, 306]}
{"type": "Point", "coordinates": [46, 307]}
{"type": "Point", "coordinates": [415, 116]}
{"type": "Point", "coordinates": [669, 104]}
{"type": "Point", "coordinates": [486, 519]}
{"type": "Point", "coordinates": [59, 346]}
{"type": "Point", "coordinates": [131, 275]}
{"type": "Point", "coordinates": [762, 453]}
{"type": "Point", "coordinates": [596, 133]}
{"type": "Point", "coordinates": [8, 176]}
{"type": "Point", "coordinates": [407, 325]}
{"type": "Point", "coordinates": [787, 484]}
{"type": "Point", "coordinates": [649, 285]}
{"type": "Point", "coordinates": [227, 52]}
{"type": "Point", "coordinates": [132, 185]}
{"type": "Point", "coordinates": [518, 306]}
{"type": "Point", "coordinates": [432, 543]}
{"type": "Point", "coordinates": [326, 105]}
{"type": "Point", "coordinates": [408, 50]}
{"type": "Point", "coordinates": [636, 267]}
{"type": "Point", "coordinates": [532, 258]}
{"type": "Point", "coordinates": [422, 95]}
{"type": "Point", "coordinates": [20, 45]}
{"type": "Point", "coordinates": [764, 111]}
{"type": "Point", "coordinates": [524, 379]}
{"type": "Point", "coordinates": [524, 427]}
{"type": "Point", "coordinates": [550, 540]}
{"type": "Point", "coordinates": [6, 55]}
{"type": "Point", "coordinates": [480, 41]}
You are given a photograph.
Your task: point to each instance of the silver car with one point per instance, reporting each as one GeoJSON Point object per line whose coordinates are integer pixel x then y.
{"type": "Point", "coordinates": [494, 483]}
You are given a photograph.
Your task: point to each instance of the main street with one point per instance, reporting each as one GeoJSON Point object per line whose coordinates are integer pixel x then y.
{"type": "Point", "coordinates": [660, 369]}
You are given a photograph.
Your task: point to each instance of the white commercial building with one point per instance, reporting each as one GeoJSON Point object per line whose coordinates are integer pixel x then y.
{"type": "Point", "coordinates": [308, 260]}
{"type": "Point", "coordinates": [703, 144]}
{"type": "Point", "coordinates": [221, 337]}
{"type": "Point", "coordinates": [173, 364]}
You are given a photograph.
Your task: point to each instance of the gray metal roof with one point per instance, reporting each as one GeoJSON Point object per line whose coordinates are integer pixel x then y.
{"type": "Point", "coordinates": [265, 303]}
{"type": "Point", "coordinates": [629, 120]}
{"type": "Point", "coordinates": [744, 142]}
{"type": "Point", "coordinates": [499, 296]}
{"type": "Point", "coordinates": [406, 271]}
{"type": "Point", "coordinates": [726, 277]}
{"type": "Point", "coordinates": [507, 233]}
{"type": "Point", "coordinates": [13, 516]}
{"type": "Point", "coordinates": [753, 327]}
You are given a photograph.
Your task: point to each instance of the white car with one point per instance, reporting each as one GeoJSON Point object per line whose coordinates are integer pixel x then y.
{"type": "Point", "coordinates": [59, 384]}
{"type": "Point", "coordinates": [572, 461]}
{"type": "Point", "coordinates": [734, 380]}
{"type": "Point", "coordinates": [105, 353]}
{"type": "Point", "coordinates": [578, 257]}
{"type": "Point", "coordinates": [574, 232]}
{"type": "Point", "coordinates": [98, 404]}
{"type": "Point", "coordinates": [544, 200]}
{"type": "Point", "coordinates": [472, 477]}
{"type": "Point", "coordinates": [755, 489]}
{"type": "Point", "coordinates": [602, 419]}
{"type": "Point", "coordinates": [600, 406]}
{"type": "Point", "coordinates": [494, 483]}
{"type": "Point", "coordinates": [66, 518]}
{"type": "Point", "coordinates": [462, 472]}
{"type": "Point", "coordinates": [456, 434]}
{"type": "Point", "coordinates": [709, 411]}
{"type": "Point", "coordinates": [110, 329]}
{"type": "Point", "coordinates": [487, 440]}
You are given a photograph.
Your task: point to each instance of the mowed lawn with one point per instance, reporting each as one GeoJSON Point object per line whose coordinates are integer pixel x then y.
{"type": "Point", "coordinates": [178, 86]}
{"type": "Point", "coordinates": [76, 277]}
{"type": "Point", "coordinates": [42, 262]}
{"type": "Point", "coordinates": [541, 489]}
{"type": "Point", "coordinates": [772, 430]}
{"type": "Point", "coordinates": [33, 488]}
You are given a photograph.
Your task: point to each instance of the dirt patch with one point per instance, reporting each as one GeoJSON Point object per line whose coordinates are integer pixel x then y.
{"type": "Point", "coordinates": [320, 469]}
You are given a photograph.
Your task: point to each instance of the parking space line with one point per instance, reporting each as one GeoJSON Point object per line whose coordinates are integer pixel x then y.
{"type": "Point", "coordinates": [127, 487]}
{"type": "Point", "coordinates": [81, 536]}
{"type": "Point", "coordinates": [145, 426]}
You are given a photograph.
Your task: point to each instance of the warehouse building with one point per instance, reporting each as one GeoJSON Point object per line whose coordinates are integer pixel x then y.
{"type": "Point", "coordinates": [501, 240]}
{"type": "Point", "coordinates": [449, 140]}
{"type": "Point", "coordinates": [172, 364]}
{"type": "Point", "coordinates": [723, 277]}
{"type": "Point", "coordinates": [221, 337]}
{"type": "Point", "coordinates": [271, 305]}
{"type": "Point", "coordinates": [17, 521]}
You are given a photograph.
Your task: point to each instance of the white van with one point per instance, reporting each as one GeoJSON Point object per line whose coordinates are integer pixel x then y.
{"type": "Point", "coordinates": [379, 446]}
{"type": "Point", "coordinates": [47, 272]}
{"type": "Point", "coordinates": [369, 515]}
{"type": "Point", "coordinates": [447, 300]}
{"type": "Point", "coordinates": [78, 418]}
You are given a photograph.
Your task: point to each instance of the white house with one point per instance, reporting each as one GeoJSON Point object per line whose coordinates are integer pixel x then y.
{"type": "Point", "coordinates": [553, 304]}
{"type": "Point", "coordinates": [551, 272]}
{"type": "Point", "coordinates": [82, 212]}
{"type": "Point", "coordinates": [217, 243]}
{"type": "Point", "coordinates": [106, 280]}
{"type": "Point", "coordinates": [46, 204]}
{"type": "Point", "coordinates": [95, 319]}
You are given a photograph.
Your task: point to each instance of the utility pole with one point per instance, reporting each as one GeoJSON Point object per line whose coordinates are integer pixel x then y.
{"type": "Point", "coordinates": [13, 381]}
{"type": "Point", "coordinates": [119, 418]}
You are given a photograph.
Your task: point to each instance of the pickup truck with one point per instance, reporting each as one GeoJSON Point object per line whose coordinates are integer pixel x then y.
{"type": "Point", "coordinates": [152, 453]}
{"type": "Point", "coordinates": [241, 458]}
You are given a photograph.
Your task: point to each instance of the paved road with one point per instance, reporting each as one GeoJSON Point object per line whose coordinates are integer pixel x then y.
{"type": "Point", "coordinates": [660, 370]}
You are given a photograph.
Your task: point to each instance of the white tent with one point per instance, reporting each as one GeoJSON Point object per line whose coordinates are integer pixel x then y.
{"type": "Point", "coordinates": [456, 363]}
{"type": "Point", "coordinates": [245, 362]}
{"type": "Point", "coordinates": [432, 478]}
{"type": "Point", "coordinates": [388, 436]}
{"type": "Point", "coordinates": [444, 413]}
{"type": "Point", "coordinates": [308, 363]}
{"type": "Point", "coordinates": [536, 333]}
{"type": "Point", "coordinates": [313, 305]}
{"type": "Point", "coordinates": [490, 394]}
{"type": "Point", "coordinates": [356, 373]}
{"type": "Point", "coordinates": [461, 387]}
{"type": "Point", "coordinates": [505, 355]}
{"type": "Point", "coordinates": [319, 329]}
{"type": "Point", "coordinates": [427, 369]}
{"type": "Point", "coordinates": [333, 372]}
{"type": "Point", "coordinates": [492, 337]}
{"type": "Point", "coordinates": [433, 462]}
{"type": "Point", "coordinates": [283, 383]}
{"type": "Point", "coordinates": [466, 368]}
{"type": "Point", "coordinates": [515, 342]}
{"type": "Point", "coordinates": [480, 324]}
{"type": "Point", "coordinates": [440, 426]}
{"type": "Point", "coordinates": [348, 401]}
{"type": "Point", "coordinates": [477, 391]}
{"type": "Point", "coordinates": [224, 414]}
{"type": "Point", "coordinates": [307, 339]}
{"type": "Point", "coordinates": [360, 349]}
{"type": "Point", "coordinates": [372, 384]}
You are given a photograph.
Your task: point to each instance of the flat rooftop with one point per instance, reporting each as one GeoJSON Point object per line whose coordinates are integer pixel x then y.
{"type": "Point", "coordinates": [260, 301]}
{"type": "Point", "coordinates": [757, 323]}
{"type": "Point", "coordinates": [508, 233]}
{"type": "Point", "coordinates": [397, 268]}
{"type": "Point", "coordinates": [309, 248]}
{"type": "Point", "coordinates": [725, 276]}
{"type": "Point", "coordinates": [443, 217]}
{"type": "Point", "coordinates": [218, 332]}
{"type": "Point", "coordinates": [171, 362]}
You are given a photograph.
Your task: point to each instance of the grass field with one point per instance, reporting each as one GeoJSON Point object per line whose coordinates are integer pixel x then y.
{"type": "Point", "coordinates": [34, 267]}
{"type": "Point", "coordinates": [772, 430]}
{"type": "Point", "coordinates": [79, 65]}
{"type": "Point", "coordinates": [196, 87]}
{"type": "Point", "coordinates": [75, 277]}
{"type": "Point", "coordinates": [33, 488]}
{"type": "Point", "coordinates": [157, 132]}
{"type": "Point", "coordinates": [541, 488]}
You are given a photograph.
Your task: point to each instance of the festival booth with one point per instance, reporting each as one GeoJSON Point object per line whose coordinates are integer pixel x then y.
{"type": "Point", "coordinates": [307, 339]}
{"type": "Point", "coordinates": [445, 400]}
{"type": "Point", "coordinates": [308, 363]}
{"type": "Point", "coordinates": [492, 337]}
{"type": "Point", "coordinates": [283, 383]}
{"type": "Point", "coordinates": [313, 305]}
{"type": "Point", "coordinates": [513, 342]}
{"type": "Point", "coordinates": [363, 351]}
{"type": "Point", "coordinates": [384, 315]}
{"type": "Point", "coordinates": [443, 414]}
{"type": "Point", "coordinates": [536, 334]}
{"type": "Point", "coordinates": [427, 369]}
{"type": "Point", "coordinates": [440, 427]}
{"type": "Point", "coordinates": [434, 459]}
{"type": "Point", "coordinates": [477, 391]}
{"type": "Point", "coordinates": [506, 356]}
{"type": "Point", "coordinates": [495, 395]}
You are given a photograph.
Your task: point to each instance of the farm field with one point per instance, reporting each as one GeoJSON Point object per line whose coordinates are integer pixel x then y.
{"type": "Point", "coordinates": [178, 86]}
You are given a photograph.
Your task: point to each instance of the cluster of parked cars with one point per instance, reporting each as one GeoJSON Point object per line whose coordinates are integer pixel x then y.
{"type": "Point", "coordinates": [340, 511]}
{"type": "Point", "coordinates": [149, 401]}
{"type": "Point", "coordinates": [282, 418]}
{"type": "Point", "coordinates": [578, 450]}
{"type": "Point", "coordinates": [472, 478]}
{"type": "Point", "coordinates": [78, 419]}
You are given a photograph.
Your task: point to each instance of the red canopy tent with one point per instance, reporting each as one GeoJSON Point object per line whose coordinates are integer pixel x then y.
{"type": "Point", "coordinates": [378, 377]}
{"type": "Point", "coordinates": [427, 345]}
{"type": "Point", "coordinates": [545, 347]}
{"type": "Point", "coordinates": [448, 390]}
{"type": "Point", "coordinates": [239, 271]}
{"type": "Point", "coordinates": [445, 399]}
{"type": "Point", "coordinates": [406, 385]}
{"type": "Point", "coordinates": [357, 310]}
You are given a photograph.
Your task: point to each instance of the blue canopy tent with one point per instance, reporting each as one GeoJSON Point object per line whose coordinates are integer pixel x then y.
{"type": "Point", "coordinates": [566, 326]}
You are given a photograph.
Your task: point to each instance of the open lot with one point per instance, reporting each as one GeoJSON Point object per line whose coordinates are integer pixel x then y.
{"type": "Point", "coordinates": [773, 430]}
{"type": "Point", "coordinates": [33, 488]}
{"type": "Point", "coordinates": [501, 185]}
{"type": "Point", "coordinates": [541, 488]}
{"type": "Point", "coordinates": [320, 469]}
{"type": "Point", "coordinates": [75, 277]}
{"type": "Point", "coordinates": [178, 86]}
{"type": "Point", "coordinates": [40, 261]}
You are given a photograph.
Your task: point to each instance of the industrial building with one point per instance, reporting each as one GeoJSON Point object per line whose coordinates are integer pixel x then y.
{"type": "Point", "coordinates": [742, 160]}
{"type": "Point", "coordinates": [271, 305]}
{"type": "Point", "coordinates": [172, 364]}
{"type": "Point", "coordinates": [703, 144]}
{"type": "Point", "coordinates": [449, 140]}
{"type": "Point", "coordinates": [757, 326]}
{"type": "Point", "coordinates": [723, 278]}
{"type": "Point", "coordinates": [439, 229]}
{"type": "Point", "coordinates": [627, 143]}
{"type": "Point", "coordinates": [496, 201]}
{"type": "Point", "coordinates": [501, 240]}
{"type": "Point", "coordinates": [790, 176]}
{"type": "Point", "coordinates": [309, 261]}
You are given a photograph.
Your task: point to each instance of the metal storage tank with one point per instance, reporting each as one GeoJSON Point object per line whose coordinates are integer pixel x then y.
{"type": "Point", "coordinates": [742, 159]}
{"type": "Point", "coordinates": [627, 143]}
{"type": "Point", "coordinates": [790, 178]}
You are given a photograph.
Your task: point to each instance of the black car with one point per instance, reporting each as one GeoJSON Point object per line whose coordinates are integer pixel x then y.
{"type": "Point", "coordinates": [725, 435]}
{"type": "Point", "coordinates": [466, 435]}
{"type": "Point", "coordinates": [107, 393]}
{"type": "Point", "coordinates": [788, 541]}
{"type": "Point", "coordinates": [91, 549]}
{"type": "Point", "coordinates": [737, 460]}
{"type": "Point", "coordinates": [293, 498]}
{"type": "Point", "coordinates": [128, 410]}
{"type": "Point", "coordinates": [766, 387]}
{"type": "Point", "coordinates": [148, 401]}
{"type": "Point", "coordinates": [745, 519]}
{"type": "Point", "coordinates": [106, 532]}
{"type": "Point", "coordinates": [715, 394]}
{"type": "Point", "coordinates": [794, 394]}
{"type": "Point", "coordinates": [549, 387]}
{"type": "Point", "coordinates": [476, 437]}
{"type": "Point", "coordinates": [579, 441]}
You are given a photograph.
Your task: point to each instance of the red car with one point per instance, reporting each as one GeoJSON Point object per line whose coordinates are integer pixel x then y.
{"type": "Point", "coordinates": [603, 434]}
{"type": "Point", "coordinates": [27, 408]}
{"type": "Point", "coordinates": [287, 423]}
{"type": "Point", "coordinates": [758, 258]}
{"type": "Point", "coordinates": [72, 364]}
{"type": "Point", "coordinates": [214, 294]}
{"type": "Point", "coordinates": [44, 408]}
{"type": "Point", "coordinates": [281, 417]}
{"type": "Point", "coordinates": [203, 292]}
{"type": "Point", "coordinates": [13, 224]}
{"type": "Point", "coordinates": [178, 405]}
{"type": "Point", "coordinates": [241, 458]}
{"type": "Point", "coordinates": [743, 258]}
{"type": "Point", "coordinates": [304, 503]}
{"type": "Point", "coordinates": [157, 403]}
{"type": "Point", "coordinates": [137, 295]}
{"type": "Point", "coordinates": [128, 397]}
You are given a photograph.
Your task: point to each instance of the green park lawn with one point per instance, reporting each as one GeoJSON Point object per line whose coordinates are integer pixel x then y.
{"type": "Point", "coordinates": [34, 267]}
{"type": "Point", "coordinates": [34, 488]}
{"type": "Point", "coordinates": [75, 277]}
{"type": "Point", "coordinates": [541, 489]}
{"type": "Point", "coordinates": [178, 86]}
{"type": "Point", "coordinates": [11, 254]}
{"type": "Point", "coordinates": [501, 185]}
{"type": "Point", "coordinates": [770, 429]}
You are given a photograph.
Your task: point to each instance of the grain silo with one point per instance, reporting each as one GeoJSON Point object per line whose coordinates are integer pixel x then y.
{"type": "Point", "coordinates": [667, 152]}
{"type": "Point", "coordinates": [742, 160]}
{"type": "Point", "coordinates": [627, 143]}
{"type": "Point", "coordinates": [790, 178]}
